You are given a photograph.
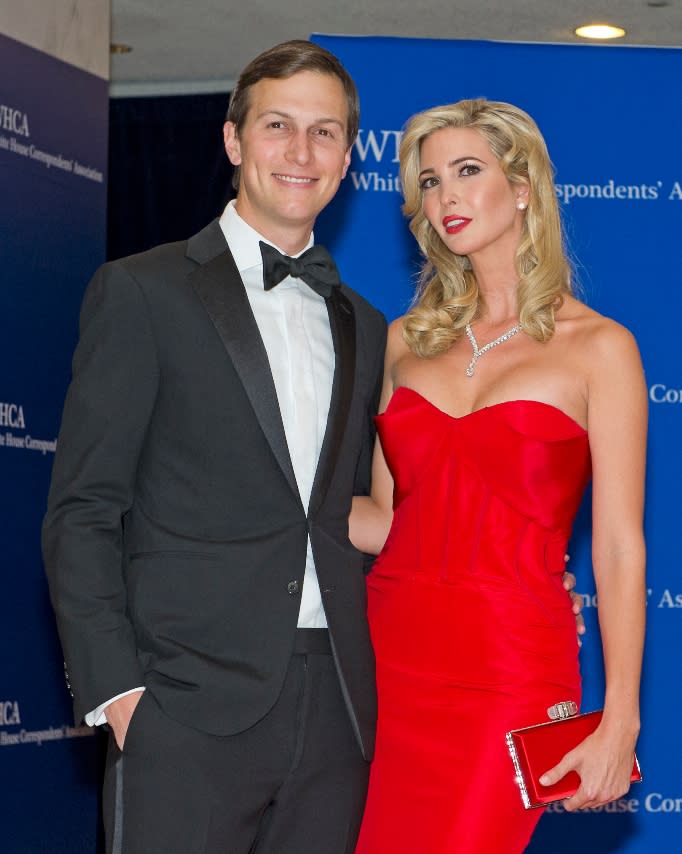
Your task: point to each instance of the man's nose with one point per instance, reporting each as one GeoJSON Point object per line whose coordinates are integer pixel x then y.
{"type": "Point", "coordinates": [299, 150]}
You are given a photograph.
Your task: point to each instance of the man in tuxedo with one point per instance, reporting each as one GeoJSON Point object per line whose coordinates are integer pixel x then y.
{"type": "Point", "coordinates": [210, 605]}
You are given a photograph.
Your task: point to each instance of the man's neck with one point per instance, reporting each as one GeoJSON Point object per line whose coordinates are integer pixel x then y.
{"type": "Point", "coordinates": [289, 237]}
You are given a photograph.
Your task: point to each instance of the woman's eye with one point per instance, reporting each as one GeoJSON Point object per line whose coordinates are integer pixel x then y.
{"type": "Point", "coordinates": [427, 183]}
{"type": "Point", "coordinates": [469, 169]}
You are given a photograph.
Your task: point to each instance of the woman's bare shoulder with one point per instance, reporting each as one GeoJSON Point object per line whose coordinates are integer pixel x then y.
{"type": "Point", "coordinates": [597, 333]}
{"type": "Point", "coordinates": [396, 346]}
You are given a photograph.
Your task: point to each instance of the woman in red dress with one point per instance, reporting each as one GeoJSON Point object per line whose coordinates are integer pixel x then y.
{"type": "Point", "coordinates": [503, 394]}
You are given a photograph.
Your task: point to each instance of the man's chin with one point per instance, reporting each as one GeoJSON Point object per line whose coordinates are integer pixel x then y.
{"type": "Point", "coordinates": [298, 215]}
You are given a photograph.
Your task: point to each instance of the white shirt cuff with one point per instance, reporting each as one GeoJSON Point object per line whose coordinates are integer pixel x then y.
{"type": "Point", "coordinates": [97, 717]}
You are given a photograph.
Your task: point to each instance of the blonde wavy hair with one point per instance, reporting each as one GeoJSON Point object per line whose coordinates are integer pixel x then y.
{"type": "Point", "coordinates": [447, 296]}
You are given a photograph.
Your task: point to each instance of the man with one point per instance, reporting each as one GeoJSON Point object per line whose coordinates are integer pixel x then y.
{"type": "Point", "coordinates": [209, 602]}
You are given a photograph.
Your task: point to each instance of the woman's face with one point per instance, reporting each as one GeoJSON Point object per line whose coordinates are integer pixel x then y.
{"type": "Point", "coordinates": [466, 196]}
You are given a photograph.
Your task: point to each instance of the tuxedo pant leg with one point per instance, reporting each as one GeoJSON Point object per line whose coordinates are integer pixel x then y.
{"type": "Point", "coordinates": [318, 809]}
{"type": "Point", "coordinates": [293, 782]}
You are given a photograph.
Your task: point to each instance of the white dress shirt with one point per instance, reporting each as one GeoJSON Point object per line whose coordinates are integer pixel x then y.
{"type": "Point", "coordinates": [294, 325]}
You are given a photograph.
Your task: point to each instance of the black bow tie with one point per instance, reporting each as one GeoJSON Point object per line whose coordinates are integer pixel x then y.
{"type": "Point", "coordinates": [315, 267]}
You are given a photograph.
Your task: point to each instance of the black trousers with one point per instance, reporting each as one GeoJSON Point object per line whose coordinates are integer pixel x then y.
{"type": "Point", "coordinates": [294, 783]}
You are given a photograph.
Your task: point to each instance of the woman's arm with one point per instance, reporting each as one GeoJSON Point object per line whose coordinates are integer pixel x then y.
{"type": "Point", "coordinates": [617, 421]}
{"type": "Point", "coordinates": [371, 516]}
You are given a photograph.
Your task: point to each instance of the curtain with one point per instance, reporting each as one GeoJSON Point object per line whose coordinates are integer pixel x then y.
{"type": "Point", "coordinates": [168, 171]}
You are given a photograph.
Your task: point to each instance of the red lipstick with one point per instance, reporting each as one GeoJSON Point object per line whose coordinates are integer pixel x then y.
{"type": "Point", "coordinates": [454, 224]}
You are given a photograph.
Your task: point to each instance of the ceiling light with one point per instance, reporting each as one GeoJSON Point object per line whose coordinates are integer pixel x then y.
{"type": "Point", "coordinates": [599, 31]}
{"type": "Point", "coordinates": [119, 48]}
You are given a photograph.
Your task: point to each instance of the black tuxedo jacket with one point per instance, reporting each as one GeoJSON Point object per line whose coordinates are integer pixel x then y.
{"type": "Point", "coordinates": [175, 537]}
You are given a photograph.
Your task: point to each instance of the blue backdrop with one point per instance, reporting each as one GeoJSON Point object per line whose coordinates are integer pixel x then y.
{"type": "Point", "coordinates": [611, 120]}
{"type": "Point", "coordinates": [53, 141]}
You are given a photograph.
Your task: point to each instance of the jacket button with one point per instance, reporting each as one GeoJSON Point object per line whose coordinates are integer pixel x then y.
{"type": "Point", "coordinates": [292, 588]}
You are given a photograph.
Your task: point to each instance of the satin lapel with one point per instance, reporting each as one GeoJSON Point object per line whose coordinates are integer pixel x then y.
{"type": "Point", "coordinates": [220, 288]}
{"type": "Point", "coordinates": [342, 323]}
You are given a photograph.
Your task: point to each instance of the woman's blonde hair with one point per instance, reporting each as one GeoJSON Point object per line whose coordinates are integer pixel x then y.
{"type": "Point", "coordinates": [448, 296]}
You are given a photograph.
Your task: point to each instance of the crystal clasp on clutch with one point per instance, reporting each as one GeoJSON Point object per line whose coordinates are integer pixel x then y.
{"type": "Point", "coordinates": [562, 710]}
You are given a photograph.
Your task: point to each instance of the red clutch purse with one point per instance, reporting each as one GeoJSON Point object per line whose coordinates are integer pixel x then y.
{"type": "Point", "coordinates": [536, 749]}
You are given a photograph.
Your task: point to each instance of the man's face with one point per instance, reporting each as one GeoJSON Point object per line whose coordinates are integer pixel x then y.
{"type": "Point", "coordinates": [292, 152]}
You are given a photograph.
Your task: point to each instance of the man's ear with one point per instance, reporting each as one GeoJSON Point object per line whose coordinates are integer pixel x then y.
{"type": "Point", "coordinates": [346, 162]}
{"type": "Point", "coordinates": [232, 146]}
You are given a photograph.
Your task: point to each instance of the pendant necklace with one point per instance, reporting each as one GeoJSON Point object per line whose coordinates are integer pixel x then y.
{"type": "Point", "coordinates": [510, 333]}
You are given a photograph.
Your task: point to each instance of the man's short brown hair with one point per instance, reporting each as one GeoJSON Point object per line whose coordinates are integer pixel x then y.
{"type": "Point", "coordinates": [282, 61]}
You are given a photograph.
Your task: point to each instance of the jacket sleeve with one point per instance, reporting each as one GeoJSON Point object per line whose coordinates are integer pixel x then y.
{"type": "Point", "coordinates": [108, 407]}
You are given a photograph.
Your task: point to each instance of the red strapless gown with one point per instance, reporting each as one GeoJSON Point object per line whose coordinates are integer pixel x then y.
{"type": "Point", "coordinates": [472, 628]}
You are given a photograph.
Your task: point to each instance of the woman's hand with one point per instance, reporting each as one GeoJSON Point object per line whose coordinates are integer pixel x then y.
{"type": "Point", "coordinates": [603, 761]}
{"type": "Point", "coordinates": [577, 601]}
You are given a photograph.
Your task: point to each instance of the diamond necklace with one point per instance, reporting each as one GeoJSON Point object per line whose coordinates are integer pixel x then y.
{"type": "Point", "coordinates": [510, 333]}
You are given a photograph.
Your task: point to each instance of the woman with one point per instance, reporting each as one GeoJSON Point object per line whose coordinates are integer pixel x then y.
{"type": "Point", "coordinates": [502, 393]}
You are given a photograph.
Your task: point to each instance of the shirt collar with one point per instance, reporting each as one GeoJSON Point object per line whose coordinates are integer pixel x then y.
{"type": "Point", "coordinates": [243, 239]}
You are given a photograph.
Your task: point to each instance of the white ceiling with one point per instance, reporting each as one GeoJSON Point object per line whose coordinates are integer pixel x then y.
{"type": "Point", "coordinates": [200, 45]}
